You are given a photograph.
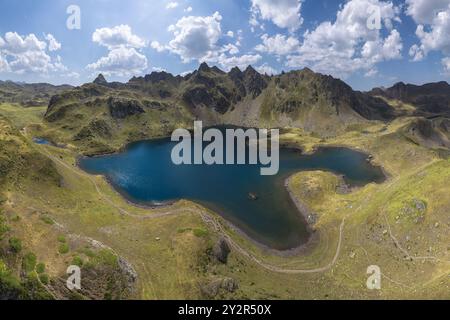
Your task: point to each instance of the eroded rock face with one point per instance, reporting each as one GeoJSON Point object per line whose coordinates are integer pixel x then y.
{"type": "Point", "coordinates": [221, 251]}
{"type": "Point", "coordinates": [306, 92]}
{"type": "Point", "coordinates": [214, 288]}
{"type": "Point", "coordinates": [254, 82]}
{"type": "Point", "coordinates": [215, 89]}
{"type": "Point", "coordinates": [129, 273]}
{"type": "Point", "coordinates": [96, 128]}
{"type": "Point", "coordinates": [430, 98]}
{"type": "Point", "coordinates": [429, 133]}
{"type": "Point", "coordinates": [201, 96]}
{"type": "Point", "coordinates": [237, 77]}
{"type": "Point", "coordinates": [123, 108]}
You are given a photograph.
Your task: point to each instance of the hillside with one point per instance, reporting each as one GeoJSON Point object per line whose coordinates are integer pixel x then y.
{"type": "Point", "coordinates": [102, 117]}
{"type": "Point", "coordinates": [428, 100]}
{"type": "Point", "coordinates": [319, 104]}
{"type": "Point", "coordinates": [29, 95]}
{"type": "Point", "coordinates": [434, 133]}
{"type": "Point", "coordinates": [34, 249]}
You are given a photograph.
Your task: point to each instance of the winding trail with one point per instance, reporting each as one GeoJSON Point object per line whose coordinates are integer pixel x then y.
{"type": "Point", "coordinates": [208, 219]}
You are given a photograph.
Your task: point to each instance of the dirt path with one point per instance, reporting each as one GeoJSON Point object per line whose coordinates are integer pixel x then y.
{"type": "Point", "coordinates": [208, 219]}
{"type": "Point", "coordinates": [404, 251]}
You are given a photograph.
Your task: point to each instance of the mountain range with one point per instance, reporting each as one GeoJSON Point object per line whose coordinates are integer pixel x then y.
{"type": "Point", "coordinates": [29, 95]}
{"type": "Point", "coordinates": [100, 113]}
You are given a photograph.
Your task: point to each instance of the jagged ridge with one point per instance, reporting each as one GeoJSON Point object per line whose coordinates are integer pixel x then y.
{"type": "Point", "coordinates": [161, 100]}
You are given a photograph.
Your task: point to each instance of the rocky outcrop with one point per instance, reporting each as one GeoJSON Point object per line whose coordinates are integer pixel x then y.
{"type": "Point", "coordinates": [202, 97]}
{"type": "Point", "coordinates": [254, 82]}
{"type": "Point", "coordinates": [120, 108]}
{"type": "Point", "coordinates": [220, 91]}
{"type": "Point", "coordinates": [219, 286]}
{"type": "Point", "coordinates": [429, 133]}
{"type": "Point", "coordinates": [221, 250]}
{"type": "Point", "coordinates": [237, 77]}
{"type": "Point", "coordinates": [98, 128]}
{"type": "Point", "coordinates": [129, 273]}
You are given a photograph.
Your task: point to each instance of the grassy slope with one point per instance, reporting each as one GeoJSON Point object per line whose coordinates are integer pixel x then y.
{"type": "Point", "coordinates": [84, 122]}
{"type": "Point", "coordinates": [176, 265]}
{"type": "Point", "coordinates": [32, 192]}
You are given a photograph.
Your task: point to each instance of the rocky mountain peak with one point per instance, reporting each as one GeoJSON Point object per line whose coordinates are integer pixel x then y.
{"type": "Point", "coordinates": [158, 76]}
{"type": "Point", "coordinates": [235, 71]}
{"type": "Point", "coordinates": [250, 71]}
{"type": "Point", "coordinates": [254, 81]}
{"type": "Point", "coordinates": [100, 80]}
{"type": "Point", "coordinates": [307, 70]}
{"type": "Point", "coordinates": [204, 67]}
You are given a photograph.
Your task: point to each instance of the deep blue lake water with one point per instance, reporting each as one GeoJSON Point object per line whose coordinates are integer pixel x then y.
{"type": "Point", "coordinates": [145, 174]}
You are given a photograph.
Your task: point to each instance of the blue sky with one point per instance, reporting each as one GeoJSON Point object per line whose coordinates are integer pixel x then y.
{"type": "Point", "coordinates": [135, 37]}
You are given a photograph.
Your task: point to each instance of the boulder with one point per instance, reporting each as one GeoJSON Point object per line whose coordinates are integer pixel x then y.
{"type": "Point", "coordinates": [221, 250]}
{"type": "Point", "coordinates": [213, 288]}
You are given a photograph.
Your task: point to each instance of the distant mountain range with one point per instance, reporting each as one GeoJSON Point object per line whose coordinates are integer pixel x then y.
{"type": "Point", "coordinates": [155, 104]}
{"type": "Point", "coordinates": [317, 103]}
{"type": "Point", "coordinates": [29, 95]}
{"type": "Point", "coordinates": [429, 99]}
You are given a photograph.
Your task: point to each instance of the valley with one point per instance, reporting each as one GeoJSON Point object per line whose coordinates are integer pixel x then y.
{"type": "Point", "coordinates": [62, 215]}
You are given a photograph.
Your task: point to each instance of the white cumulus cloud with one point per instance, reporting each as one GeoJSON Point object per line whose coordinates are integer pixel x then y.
{"type": "Point", "coordinates": [433, 29]}
{"type": "Point", "coordinates": [278, 44]}
{"type": "Point", "coordinates": [116, 37]}
{"type": "Point", "coordinates": [195, 37]}
{"type": "Point", "coordinates": [348, 45]}
{"type": "Point", "coordinates": [283, 13]}
{"type": "Point", "coordinates": [172, 5]}
{"type": "Point", "coordinates": [53, 44]}
{"type": "Point", "coordinates": [4, 66]}
{"type": "Point", "coordinates": [242, 62]}
{"type": "Point", "coordinates": [124, 57]}
{"type": "Point", "coordinates": [446, 64]}
{"type": "Point", "coordinates": [157, 46]}
{"type": "Point", "coordinates": [424, 11]}
{"type": "Point", "coordinates": [27, 54]}
{"type": "Point", "coordinates": [121, 61]}
{"type": "Point", "coordinates": [16, 44]}
{"type": "Point", "coordinates": [266, 69]}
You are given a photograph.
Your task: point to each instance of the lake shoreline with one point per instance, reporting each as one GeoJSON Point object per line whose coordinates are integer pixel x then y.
{"type": "Point", "coordinates": [312, 237]}
{"type": "Point", "coordinates": [305, 213]}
